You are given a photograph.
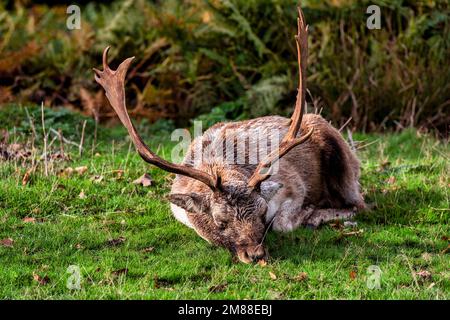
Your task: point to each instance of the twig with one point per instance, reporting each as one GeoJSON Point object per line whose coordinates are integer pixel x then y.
{"type": "Point", "coordinates": [80, 147]}
{"type": "Point", "coordinates": [61, 142]}
{"type": "Point", "coordinates": [45, 139]}
{"type": "Point", "coordinates": [345, 124]}
{"type": "Point", "coordinates": [350, 139]}
{"type": "Point", "coordinates": [412, 271]}
{"type": "Point", "coordinates": [33, 138]}
{"type": "Point", "coordinates": [64, 139]}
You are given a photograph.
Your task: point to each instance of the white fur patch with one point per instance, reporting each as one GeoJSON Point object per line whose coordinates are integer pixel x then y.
{"type": "Point", "coordinates": [180, 215]}
{"type": "Point", "coordinates": [274, 205]}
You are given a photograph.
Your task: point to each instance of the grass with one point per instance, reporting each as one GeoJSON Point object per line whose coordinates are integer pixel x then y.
{"type": "Point", "coordinates": [405, 177]}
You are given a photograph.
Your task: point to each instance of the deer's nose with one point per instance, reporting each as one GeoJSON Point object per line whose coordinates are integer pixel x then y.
{"type": "Point", "coordinates": [256, 253]}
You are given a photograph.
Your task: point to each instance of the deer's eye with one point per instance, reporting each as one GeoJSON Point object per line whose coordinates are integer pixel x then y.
{"type": "Point", "coordinates": [220, 223]}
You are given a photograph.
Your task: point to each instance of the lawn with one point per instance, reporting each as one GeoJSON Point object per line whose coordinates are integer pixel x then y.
{"type": "Point", "coordinates": [127, 245]}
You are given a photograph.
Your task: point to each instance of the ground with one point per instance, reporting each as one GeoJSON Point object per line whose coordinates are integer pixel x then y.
{"type": "Point", "coordinates": [127, 245]}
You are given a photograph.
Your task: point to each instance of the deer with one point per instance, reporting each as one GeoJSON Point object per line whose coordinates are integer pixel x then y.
{"type": "Point", "coordinates": [234, 205]}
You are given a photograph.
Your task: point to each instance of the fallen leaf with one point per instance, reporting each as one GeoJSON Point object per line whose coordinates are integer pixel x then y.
{"type": "Point", "coordinates": [78, 246]}
{"type": "Point", "coordinates": [116, 242]}
{"type": "Point", "coordinates": [97, 179]}
{"type": "Point", "coordinates": [149, 249]}
{"type": "Point", "coordinates": [119, 272]}
{"type": "Point", "coordinates": [352, 274]}
{"type": "Point", "coordinates": [218, 288]}
{"type": "Point", "coordinates": [302, 276]}
{"type": "Point", "coordinates": [82, 195]}
{"type": "Point", "coordinates": [29, 220]}
{"type": "Point", "coordinates": [67, 172]}
{"type": "Point", "coordinates": [144, 180]}
{"type": "Point", "coordinates": [272, 275]}
{"type": "Point", "coordinates": [81, 170]}
{"type": "Point", "coordinates": [41, 280]}
{"type": "Point", "coordinates": [7, 242]}
{"type": "Point", "coordinates": [391, 180]}
{"type": "Point", "coordinates": [262, 263]}
{"type": "Point", "coordinates": [424, 274]}
{"type": "Point", "coordinates": [118, 173]}
{"type": "Point", "coordinates": [26, 177]}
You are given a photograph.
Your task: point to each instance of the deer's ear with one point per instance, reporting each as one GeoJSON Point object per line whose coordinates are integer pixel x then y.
{"type": "Point", "coordinates": [192, 202]}
{"type": "Point", "coordinates": [269, 188]}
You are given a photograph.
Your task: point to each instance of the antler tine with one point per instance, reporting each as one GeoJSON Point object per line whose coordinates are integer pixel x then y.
{"type": "Point", "coordinates": [290, 140]}
{"type": "Point", "coordinates": [113, 81]}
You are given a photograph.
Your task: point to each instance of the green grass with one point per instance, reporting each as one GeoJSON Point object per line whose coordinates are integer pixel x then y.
{"type": "Point", "coordinates": [406, 232]}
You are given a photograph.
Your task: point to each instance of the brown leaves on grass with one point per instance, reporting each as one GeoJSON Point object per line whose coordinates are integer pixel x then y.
{"type": "Point", "coordinates": [302, 276]}
{"type": "Point", "coordinates": [119, 272]}
{"type": "Point", "coordinates": [424, 274]}
{"type": "Point", "coordinates": [272, 275]}
{"type": "Point", "coordinates": [145, 180]}
{"type": "Point", "coordinates": [7, 242]}
{"type": "Point", "coordinates": [41, 280]}
{"type": "Point", "coordinates": [29, 220]}
{"type": "Point", "coordinates": [148, 249]}
{"type": "Point", "coordinates": [27, 176]}
{"type": "Point", "coordinates": [218, 288]}
{"type": "Point", "coordinates": [352, 274]}
{"type": "Point", "coordinates": [116, 242]}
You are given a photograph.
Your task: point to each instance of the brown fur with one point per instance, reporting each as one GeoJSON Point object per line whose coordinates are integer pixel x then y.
{"type": "Point", "coordinates": [320, 173]}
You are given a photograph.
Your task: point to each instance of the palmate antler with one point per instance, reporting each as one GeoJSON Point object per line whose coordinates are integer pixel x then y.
{"type": "Point", "coordinates": [113, 81]}
{"type": "Point", "coordinates": [290, 140]}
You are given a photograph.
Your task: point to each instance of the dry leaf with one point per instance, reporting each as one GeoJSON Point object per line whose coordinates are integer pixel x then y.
{"type": "Point", "coordinates": [78, 246]}
{"type": "Point", "coordinates": [272, 275]}
{"type": "Point", "coordinates": [118, 173]}
{"type": "Point", "coordinates": [29, 220]}
{"type": "Point", "coordinates": [352, 274]}
{"type": "Point", "coordinates": [218, 288]}
{"type": "Point", "coordinates": [119, 272]}
{"type": "Point", "coordinates": [97, 179]}
{"type": "Point", "coordinates": [26, 177]}
{"type": "Point", "coordinates": [302, 276]}
{"type": "Point", "coordinates": [7, 242]}
{"type": "Point", "coordinates": [145, 180]}
{"type": "Point", "coordinates": [424, 274]}
{"type": "Point", "coordinates": [41, 280]}
{"type": "Point", "coordinates": [82, 195]}
{"type": "Point", "coordinates": [67, 172]}
{"type": "Point", "coordinates": [262, 263]}
{"type": "Point", "coordinates": [391, 180]}
{"type": "Point", "coordinates": [149, 249]}
{"type": "Point", "coordinates": [116, 242]}
{"type": "Point", "coordinates": [81, 170]}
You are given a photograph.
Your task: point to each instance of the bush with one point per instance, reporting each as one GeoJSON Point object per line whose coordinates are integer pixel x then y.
{"type": "Point", "coordinates": [194, 56]}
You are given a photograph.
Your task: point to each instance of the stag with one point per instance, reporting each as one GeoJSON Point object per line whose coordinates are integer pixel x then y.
{"type": "Point", "coordinates": [233, 205]}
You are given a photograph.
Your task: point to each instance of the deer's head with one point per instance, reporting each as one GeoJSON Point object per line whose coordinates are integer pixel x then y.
{"type": "Point", "coordinates": [233, 216]}
{"type": "Point", "coordinates": [232, 211]}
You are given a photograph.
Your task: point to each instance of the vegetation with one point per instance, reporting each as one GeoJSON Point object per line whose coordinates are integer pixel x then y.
{"type": "Point", "coordinates": [235, 57]}
{"type": "Point", "coordinates": [127, 245]}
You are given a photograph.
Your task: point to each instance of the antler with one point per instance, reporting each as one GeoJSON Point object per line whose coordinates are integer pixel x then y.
{"type": "Point", "coordinates": [113, 83]}
{"type": "Point", "coordinates": [263, 170]}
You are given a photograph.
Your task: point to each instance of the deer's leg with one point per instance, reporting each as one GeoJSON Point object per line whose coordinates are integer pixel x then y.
{"type": "Point", "coordinates": [290, 217]}
{"type": "Point", "coordinates": [321, 216]}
